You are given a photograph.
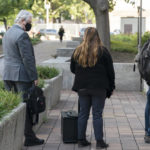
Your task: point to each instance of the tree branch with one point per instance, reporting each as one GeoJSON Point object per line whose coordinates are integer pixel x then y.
{"type": "Point", "coordinates": [87, 1]}
{"type": "Point", "coordinates": [91, 2]}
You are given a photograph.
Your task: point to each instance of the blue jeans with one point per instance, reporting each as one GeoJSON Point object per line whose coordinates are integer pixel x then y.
{"type": "Point", "coordinates": [147, 114]}
{"type": "Point", "coordinates": [97, 103]}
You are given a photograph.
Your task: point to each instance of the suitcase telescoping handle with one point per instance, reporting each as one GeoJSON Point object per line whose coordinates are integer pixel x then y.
{"type": "Point", "coordinates": [69, 113]}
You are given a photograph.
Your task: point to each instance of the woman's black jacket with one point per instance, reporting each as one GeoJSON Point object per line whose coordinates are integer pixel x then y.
{"type": "Point", "coordinates": [97, 77]}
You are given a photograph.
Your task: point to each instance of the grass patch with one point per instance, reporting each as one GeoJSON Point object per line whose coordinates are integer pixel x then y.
{"type": "Point", "coordinates": [127, 43]}
{"type": "Point", "coordinates": [8, 101]}
{"type": "Point", "coordinates": [125, 38]}
{"type": "Point", "coordinates": [124, 43]}
{"type": "Point", "coordinates": [123, 47]}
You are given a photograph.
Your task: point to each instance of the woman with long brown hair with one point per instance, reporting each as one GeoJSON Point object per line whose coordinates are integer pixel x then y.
{"type": "Point", "coordinates": [94, 81]}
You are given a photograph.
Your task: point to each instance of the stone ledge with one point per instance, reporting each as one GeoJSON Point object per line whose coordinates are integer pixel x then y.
{"type": "Point", "coordinates": [51, 90]}
{"type": "Point", "coordinates": [12, 129]}
{"type": "Point", "coordinates": [126, 79]}
{"type": "Point", "coordinates": [65, 52]}
{"type": "Point", "coordinates": [79, 39]}
{"type": "Point", "coordinates": [73, 44]}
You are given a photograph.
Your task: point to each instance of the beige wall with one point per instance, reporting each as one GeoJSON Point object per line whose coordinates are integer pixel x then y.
{"type": "Point", "coordinates": [133, 22]}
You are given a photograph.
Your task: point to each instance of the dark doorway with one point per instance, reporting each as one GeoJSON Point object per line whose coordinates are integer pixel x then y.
{"type": "Point", "coordinates": [127, 28]}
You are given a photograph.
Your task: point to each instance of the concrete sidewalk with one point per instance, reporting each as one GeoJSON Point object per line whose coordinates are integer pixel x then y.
{"type": "Point", "coordinates": [47, 49]}
{"type": "Point", "coordinates": [123, 123]}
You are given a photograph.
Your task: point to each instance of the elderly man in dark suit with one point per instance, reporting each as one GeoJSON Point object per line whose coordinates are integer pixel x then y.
{"type": "Point", "coordinates": [19, 65]}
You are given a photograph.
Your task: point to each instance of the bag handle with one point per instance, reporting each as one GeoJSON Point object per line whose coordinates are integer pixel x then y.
{"type": "Point", "coordinates": [69, 113]}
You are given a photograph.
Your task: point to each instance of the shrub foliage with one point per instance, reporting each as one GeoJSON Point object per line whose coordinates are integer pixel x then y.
{"type": "Point", "coordinates": [8, 101]}
{"type": "Point", "coordinates": [2, 85]}
{"type": "Point", "coordinates": [46, 72]}
{"type": "Point", "coordinates": [145, 37]}
{"type": "Point", "coordinates": [127, 43]}
{"type": "Point", "coordinates": [41, 83]}
{"type": "Point", "coordinates": [123, 47]}
{"type": "Point", "coordinates": [124, 43]}
{"type": "Point", "coordinates": [35, 40]}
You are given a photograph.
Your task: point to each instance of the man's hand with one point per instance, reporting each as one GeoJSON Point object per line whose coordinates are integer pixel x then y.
{"type": "Point", "coordinates": [36, 82]}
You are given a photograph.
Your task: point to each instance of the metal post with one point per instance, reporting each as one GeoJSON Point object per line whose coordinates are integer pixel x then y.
{"type": "Point", "coordinates": [140, 27]}
{"type": "Point", "coordinates": [47, 16]}
{"type": "Point", "coordinates": [47, 7]}
{"type": "Point", "coordinates": [140, 37]}
{"type": "Point", "coordinates": [138, 11]}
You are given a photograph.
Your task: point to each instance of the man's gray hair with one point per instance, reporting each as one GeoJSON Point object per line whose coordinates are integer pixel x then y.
{"type": "Point", "coordinates": [23, 15]}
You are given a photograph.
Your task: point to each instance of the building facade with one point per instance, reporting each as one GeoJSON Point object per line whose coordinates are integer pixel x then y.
{"type": "Point", "coordinates": [125, 18]}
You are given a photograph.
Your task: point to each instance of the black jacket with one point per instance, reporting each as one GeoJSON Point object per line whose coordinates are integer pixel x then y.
{"type": "Point", "coordinates": [101, 76]}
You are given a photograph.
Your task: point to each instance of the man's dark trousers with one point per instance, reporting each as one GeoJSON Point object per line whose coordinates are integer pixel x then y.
{"type": "Point", "coordinates": [22, 87]}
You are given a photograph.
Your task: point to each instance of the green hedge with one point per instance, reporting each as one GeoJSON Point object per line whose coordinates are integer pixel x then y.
{"type": "Point", "coordinates": [8, 101]}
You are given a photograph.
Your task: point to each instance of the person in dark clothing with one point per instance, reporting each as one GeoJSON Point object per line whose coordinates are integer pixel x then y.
{"type": "Point", "coordinates": [20, 72]}
{"type": "Point", "coordinates": [61, 33]}
{"type": "Point", "coordinates": [94, 81]}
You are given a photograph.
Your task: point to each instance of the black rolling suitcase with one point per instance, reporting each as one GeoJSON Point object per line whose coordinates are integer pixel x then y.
{"type": "Point", "coordinates": [69, 124]}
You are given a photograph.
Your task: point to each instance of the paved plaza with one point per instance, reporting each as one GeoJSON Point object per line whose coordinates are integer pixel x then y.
{"type": "Point", "coordinates": [123, 123]}
{"type": "Point", "coordinates": [47, 49]}
{"type": "Point", "coordinates": [123, 115]}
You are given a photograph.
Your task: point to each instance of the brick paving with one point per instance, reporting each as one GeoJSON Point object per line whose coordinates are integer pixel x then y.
{"type": "Point", "coordinates": [123, 123]}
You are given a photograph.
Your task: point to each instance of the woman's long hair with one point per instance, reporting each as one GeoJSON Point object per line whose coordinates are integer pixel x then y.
{"type": "Point", "coordinates": [86, 54]}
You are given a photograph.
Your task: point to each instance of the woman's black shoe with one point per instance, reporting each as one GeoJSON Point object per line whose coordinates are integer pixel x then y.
{"type": "Point", "coordinates": [33, 141]}
{"type": "Point", "coordinates": [83, 143]}
{"type": "Point", "coordinates": [101, 144]}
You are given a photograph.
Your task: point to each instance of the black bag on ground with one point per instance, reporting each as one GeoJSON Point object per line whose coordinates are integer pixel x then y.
{"type": "Point", "coordinates": [35, 102]}
{"type": "Point", "coordinates": [144, 62]}
{"type": "Point", "coordinates": [69, 125]}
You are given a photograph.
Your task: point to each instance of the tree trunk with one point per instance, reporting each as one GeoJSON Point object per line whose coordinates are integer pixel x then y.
{"type": "Point", "coordinates": [102, 25]}
{"type": "Point", "coordinates": [5, 23]}
{"type": "Point", "coordinates": [60, 17]}
{"type": "Point", "coordinates": [100, 8]}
